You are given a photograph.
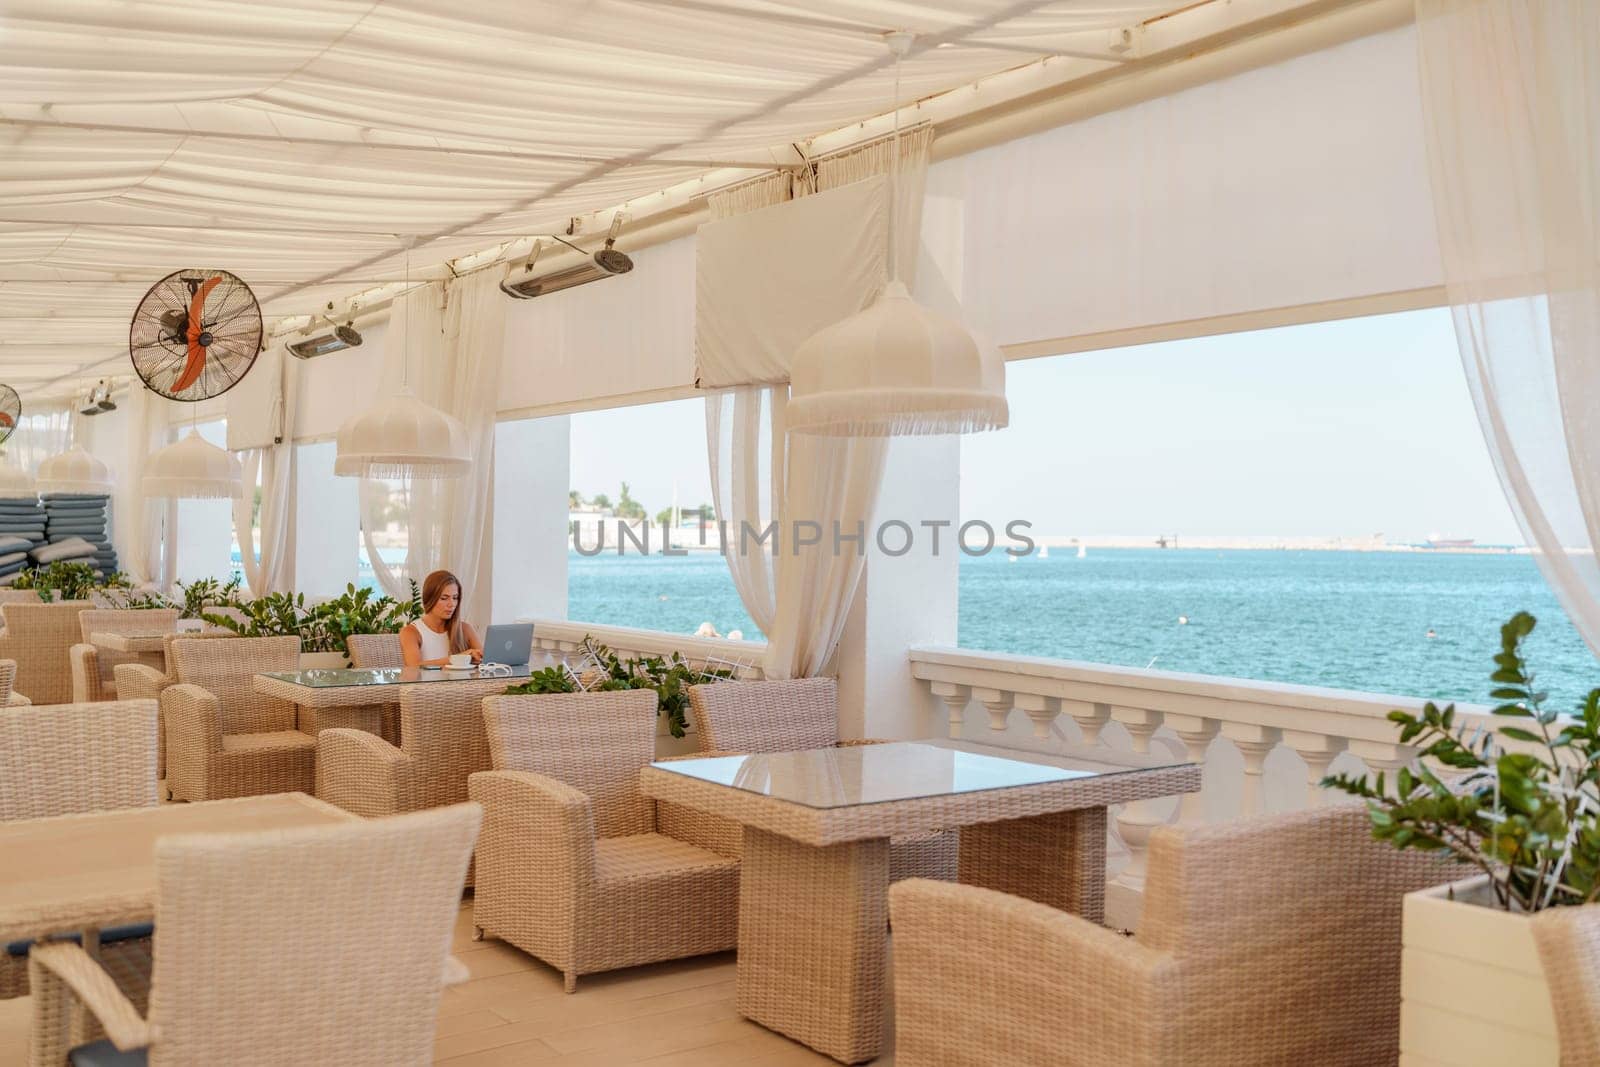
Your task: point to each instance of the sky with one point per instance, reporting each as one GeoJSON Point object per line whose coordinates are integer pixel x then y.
{"type": "Point", "coordinates": [1337, 429]}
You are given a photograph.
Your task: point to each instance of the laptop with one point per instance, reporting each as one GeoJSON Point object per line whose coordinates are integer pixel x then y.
{"type": "Point", "coordinates": [509, 643]}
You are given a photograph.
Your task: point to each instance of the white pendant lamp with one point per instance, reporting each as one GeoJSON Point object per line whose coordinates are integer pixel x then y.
{"type": "Point", "coordinates": [74, 471]}
{"type": "Point", "coordinates": [194, 468]}
{"type": "Point", "coordinates": [16, 484]}
{"type": "Point", "coordinates": [896, 368]}
{"type": "Point", "coordinates": [402, 437]}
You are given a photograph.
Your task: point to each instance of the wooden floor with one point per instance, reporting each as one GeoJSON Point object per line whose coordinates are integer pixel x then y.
{"type": "Point", "coordinates": [513, 1012]}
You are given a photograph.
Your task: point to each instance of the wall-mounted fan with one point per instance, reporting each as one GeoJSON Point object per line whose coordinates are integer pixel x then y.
{"type": "Point", "coordinates": [195, 334]}
{"type": "Point", "coordinates": [10, 412]}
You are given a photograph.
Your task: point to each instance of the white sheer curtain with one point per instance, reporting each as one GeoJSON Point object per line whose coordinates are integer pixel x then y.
{"type": "Point", "coordinates": [38, 436]}
{"type": "Point", "coordinates": [800, 596]}
{"type": "Point", "coordinates": [456, 337]}
{"type": "Point", "coordinates": [1511, 102]}
{"type": "Point", "coordinates": [273, 571]}
{"type": "Point", "coordinates": [138, 522]}
{"type": "Point", "coordinates": [414, 353]}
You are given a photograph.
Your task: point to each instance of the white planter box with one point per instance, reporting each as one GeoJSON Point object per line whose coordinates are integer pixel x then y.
{"type": "Point", "coordinates": [667, 745]}
{"type": "Point", "coordinates": [1471, 988]}
{"type": "Point", "coordinates": [322, 660]}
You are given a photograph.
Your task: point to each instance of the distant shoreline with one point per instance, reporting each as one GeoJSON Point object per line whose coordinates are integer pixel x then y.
{"type": "Point", "coordinates": [1276, 544]}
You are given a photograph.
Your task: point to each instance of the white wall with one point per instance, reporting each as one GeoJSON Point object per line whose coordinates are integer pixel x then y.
{"type": "Point", "coordinates": [531, 468]}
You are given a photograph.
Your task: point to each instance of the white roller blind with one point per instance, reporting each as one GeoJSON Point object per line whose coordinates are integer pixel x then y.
{"type": "Point", "coordinates": [629, 334]}
{"type": "Point", "coordinates": [769, 279]}
{"type": "Point", "coordinates": [1298, 183]}
{"type": "Point", "coordinates": [255, 406]}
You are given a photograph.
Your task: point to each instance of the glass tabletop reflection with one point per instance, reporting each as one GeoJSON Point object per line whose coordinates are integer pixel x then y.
{"type": "Point", "coordinates": [879, 774]}
{"type": "Point", "coordinates": [346, 677]}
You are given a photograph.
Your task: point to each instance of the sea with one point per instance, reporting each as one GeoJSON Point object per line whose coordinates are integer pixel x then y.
{"type": "Point", "coordinates": [1421, 624]}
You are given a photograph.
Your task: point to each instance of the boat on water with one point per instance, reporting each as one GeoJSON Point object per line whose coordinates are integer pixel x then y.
{"type": "Point", "coordinates": [1083, 550]}
{"type": "Point", "coordinates": [1450, 542]}
{"type": "Point", "coordinates": [1044, 551]}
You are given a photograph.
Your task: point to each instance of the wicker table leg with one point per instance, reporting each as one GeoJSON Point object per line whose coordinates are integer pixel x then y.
{"type": "Point", "coordinates": [1057, 859]}
{"type": "Point", "coordinates": [812, 942]}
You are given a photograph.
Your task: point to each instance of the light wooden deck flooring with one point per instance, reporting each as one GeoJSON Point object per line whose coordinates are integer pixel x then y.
{"type": "Point", "coordinates": [513, 1012]}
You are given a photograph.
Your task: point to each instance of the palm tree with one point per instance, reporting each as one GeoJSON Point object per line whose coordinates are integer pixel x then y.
{"type": "Point", "coordinates": [627, 507]}
{"type": "Point", "coordinates": [574, 499]}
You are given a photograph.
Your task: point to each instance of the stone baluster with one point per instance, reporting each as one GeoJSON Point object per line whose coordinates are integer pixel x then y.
{"type": "Point", "coordinates": [1255, 744]}
{"type": "Point", "coordinates": [997, 702]}
{"type": "Point", "coordinates": [1318, 750]}
{"type": "Point", "coordinates": [1042, 711]}
{"type": "Point", "coordinates": [1196, 732]}
{"type": "Point", "coordinates": [1135, 822]}
{"type": "Point", "coordinates": [955, 699]}
{"type": "Point", "coordinates": [1140, 723]}
{"type": "Point", "coordinates": [1384, 757]}
{"type": "Point", "coordinates": [1091, 718]}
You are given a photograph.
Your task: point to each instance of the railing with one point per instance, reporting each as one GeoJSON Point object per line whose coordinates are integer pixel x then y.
{"type": "Point", "coordinates": [1264, 746]}
{"type": "Point", "coordinates": [563, 638]}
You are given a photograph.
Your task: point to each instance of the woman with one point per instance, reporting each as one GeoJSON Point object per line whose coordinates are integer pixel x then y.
{"type": "Point", "coordinates": [430, 640]}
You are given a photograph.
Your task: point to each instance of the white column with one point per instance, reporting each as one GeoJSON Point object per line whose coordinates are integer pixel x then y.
{"type": "Point", "coordinates": [1385, 758]}
{"type": "Point", "coordinates": [903, 600]}
{"type": "Point", "coordinates": [997, 702]}
{"type": "Point", "coordinates": [1255, 743]}
{"type": "Point", "coordinates": [1091, 718]}
{"type": "Point", "coordinates": [532, 474]}
{"type": "Point", "coordinates": [327, 539]}
{"type": "Point", "coordinates": [1042, 711]}
{"type": "Point", "coordinates": [1140, 724]}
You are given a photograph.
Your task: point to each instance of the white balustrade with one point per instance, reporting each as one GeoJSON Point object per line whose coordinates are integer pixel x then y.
{"type": "Point", "coordinates": [1248, 772]}
{"type": "Point", "coordinates": [562, 638]}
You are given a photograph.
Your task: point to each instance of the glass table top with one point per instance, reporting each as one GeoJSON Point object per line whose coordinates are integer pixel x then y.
{"type": "Point", "coordinates": [344, 677]}
{"type": "Point", "coordinates": [899, 770]}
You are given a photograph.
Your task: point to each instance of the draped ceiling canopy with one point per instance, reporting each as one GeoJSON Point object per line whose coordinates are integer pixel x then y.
{"type": "Point", "coordinates": [290, 142]}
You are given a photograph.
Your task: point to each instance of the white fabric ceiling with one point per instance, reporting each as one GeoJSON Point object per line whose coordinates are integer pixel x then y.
{"type": "Point", "coordinates": [290, 141]}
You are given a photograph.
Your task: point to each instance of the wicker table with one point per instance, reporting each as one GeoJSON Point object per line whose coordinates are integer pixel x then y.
{"type": "Point", "coordinates": [813, 894]}
{"type": "Point", "coordinates": [359, 698]}
{"type": "Point", "coordinates": [85, 872]}
{"type": "Point", "coordinates": [144, 644]}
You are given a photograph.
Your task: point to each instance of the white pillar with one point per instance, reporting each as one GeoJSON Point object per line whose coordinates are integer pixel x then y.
{"type": "Point", "coordinates": [327, 539]}
{"type": "Point", "coordinates": [1196, 733]}
{"type": "Point", "coordinates": [1255, 743]}
{"type": "Point", "coordinates": [905, 599]}
{"type": "Point", "coordinates": [532, 473]}
{"type": "Point", "coordinates": [1317, 750]}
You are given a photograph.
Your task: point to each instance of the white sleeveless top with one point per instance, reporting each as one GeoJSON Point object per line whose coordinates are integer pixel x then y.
{"type": "Point", "coordinates": [434, 646]}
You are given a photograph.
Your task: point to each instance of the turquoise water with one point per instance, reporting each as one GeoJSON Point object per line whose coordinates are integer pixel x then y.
{"type": "Point", "coordinates": [1347, 620]}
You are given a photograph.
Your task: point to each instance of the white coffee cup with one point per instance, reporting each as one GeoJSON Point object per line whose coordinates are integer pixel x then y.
{"type": "Point", "coordinates": [459, 660]}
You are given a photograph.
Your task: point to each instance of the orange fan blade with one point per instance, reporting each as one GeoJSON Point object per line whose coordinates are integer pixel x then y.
{"type": "Point", "coordinates": [5, 418]}
{"type": "Point", "coordinates": [197, 353]}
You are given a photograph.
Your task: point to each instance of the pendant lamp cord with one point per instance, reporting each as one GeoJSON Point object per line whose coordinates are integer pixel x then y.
{"type": "Point", "coordinates": [405, 342]}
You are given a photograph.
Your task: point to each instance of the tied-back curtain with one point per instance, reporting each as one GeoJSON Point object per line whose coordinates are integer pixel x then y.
{"type": "Point", "coordinates": [822, 489]}
{"type": "Point", "coordinates": [1511, 106]}
{"type": "Point", "coordinates": [413, 356]}
{"type": "Point", "coordinates": [273, 570]}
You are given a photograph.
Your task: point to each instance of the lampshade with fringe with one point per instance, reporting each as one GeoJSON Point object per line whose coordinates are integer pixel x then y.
{"type": "Point", "coordinates": [16, 484]}
{"type": "Point", "coordinates": [74, 471]}
{"type": "Point", "coordinates": [194, 468]}
{"type": "Point", "coordinates": [896, 369]}
{"type": "Point", "coordinates": [402, 437]}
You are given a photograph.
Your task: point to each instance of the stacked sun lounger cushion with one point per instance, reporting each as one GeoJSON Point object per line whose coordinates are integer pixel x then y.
{"type": "Point", "coordinates": [71, 518]}
{"type": "Point", "coordinates": [22, 523]}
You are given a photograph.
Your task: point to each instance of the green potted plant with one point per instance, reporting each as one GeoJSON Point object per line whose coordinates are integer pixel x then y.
{"type": "Point", "coordinates": [669, 676]}
{"type": "Point", "coordinates": [1522, 810]}
{"type": "Point", "coordinates": [322, 628]}
{"type": "Point", "coordinates": [68, 580]}
{"type": "Point", "coordinates": [195, 597]}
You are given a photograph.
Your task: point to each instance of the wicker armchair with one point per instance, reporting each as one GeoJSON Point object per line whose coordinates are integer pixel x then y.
{"type": "Point", "coordinates": [141, 681]}
{"type": "Point", "coordinates": [223, 738]}
{"type": "Point", "coordinates": [1272, 940]}
{"type": "Point", "coordinates": [374, 650]}
{"type": "Point", "coordinates": [1569, 952]}
{"type": "Point", "coordinates": [93, 676]}
{"type": "Point", "coordinates": [42, 774]}
{"type": "Point", "coordinates": [573, 866]}
{"type": "Point", "coordinates": [8, 678]}
{"type": "Point", "coordinates": [321, 945]}
{"type": "Point", "coordinates": [442, 741]}
{"type": "Point", "coordinates": [37, 637]}
{"type": "Point", "coordinates": [792, 716]}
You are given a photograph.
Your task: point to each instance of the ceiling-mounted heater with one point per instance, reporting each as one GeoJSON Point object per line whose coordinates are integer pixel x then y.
{"type": "Point", "coordinates": [605, 263]}
{"type": "Point", "coordinates": [337, 339]}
